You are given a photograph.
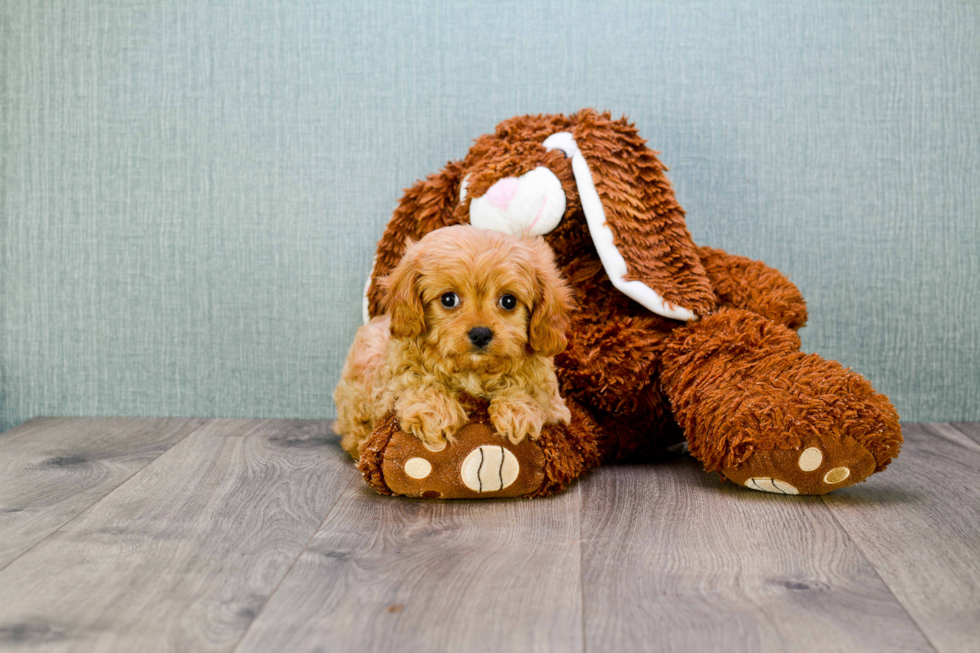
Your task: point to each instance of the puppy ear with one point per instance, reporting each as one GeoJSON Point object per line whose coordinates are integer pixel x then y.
{"type": "Point", "coordinates": [428, 205]}
{"type": "Point", "coordinates": [633, 217]}
{"type": "Point", "coordinates": [402, 296]}
{"type": "Point", "coordinates": [551, 313]}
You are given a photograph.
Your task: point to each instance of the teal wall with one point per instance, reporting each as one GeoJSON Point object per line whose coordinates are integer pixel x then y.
{"type": "Point", "coordinates": [191, 191]}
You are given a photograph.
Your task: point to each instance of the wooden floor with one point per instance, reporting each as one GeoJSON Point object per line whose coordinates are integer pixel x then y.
{"type": "Point", "coordinates": [129, 534]}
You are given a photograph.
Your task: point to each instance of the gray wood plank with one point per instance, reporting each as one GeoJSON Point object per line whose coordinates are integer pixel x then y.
{"type": "Point", "coordinates": [387, 574]}
{"type": "Point", "coordinates": [52, 469]}
{"type": "Point", "coordinates": [971, 429]}
{"type": "Point", "coordinates": [673, 560]}
{"type": "Point", "coordinates": [184, 555]}
{"type": "Point", "coordinates": [918, 523]}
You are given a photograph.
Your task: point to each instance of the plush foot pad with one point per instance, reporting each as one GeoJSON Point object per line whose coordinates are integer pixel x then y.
{"type": "Point", "coordinates": [480, 465]}
{"type": "Point", "coordinates": [817, 467]}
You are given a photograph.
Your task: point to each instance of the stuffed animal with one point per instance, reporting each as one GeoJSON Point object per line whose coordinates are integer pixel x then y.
{"type": "Point", "coordinates": [669, 342]}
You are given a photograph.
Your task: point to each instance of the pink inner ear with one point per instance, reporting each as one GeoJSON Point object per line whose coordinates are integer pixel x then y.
{"type": "Point", "coordinates": [501, 193]}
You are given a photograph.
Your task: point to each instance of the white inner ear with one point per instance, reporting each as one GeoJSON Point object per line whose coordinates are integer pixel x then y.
{"type": "Point", "coordinates": [462, 188]}
{"type": "Point", "coordinates": [365, 314]}
{"type": "Point", "coordinates": [612, 260]}
{"type": "Point", "coordinates": [533, 204]}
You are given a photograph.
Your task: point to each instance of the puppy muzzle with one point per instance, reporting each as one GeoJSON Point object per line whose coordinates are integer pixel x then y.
{"type": "Point", "coordinates": [480, 337]}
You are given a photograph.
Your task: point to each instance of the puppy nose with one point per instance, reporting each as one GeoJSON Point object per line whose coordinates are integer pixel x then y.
{"type": "Point", "coordinates": [480, 336]}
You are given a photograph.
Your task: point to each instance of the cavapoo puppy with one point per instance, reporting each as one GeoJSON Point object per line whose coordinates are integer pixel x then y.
{"type": "Point", "coordinates": [469, 311]}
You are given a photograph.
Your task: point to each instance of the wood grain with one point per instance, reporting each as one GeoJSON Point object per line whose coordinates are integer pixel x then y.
{"type": "Point", "coordinates": [673, 560]}
{"type": "Point", "coordinates": [387, 574]}
{"type": "Point", "coordinates": [52, 469]}
{"type": "Point", "coordinates": [260, 536]}
{"type": "Point", "coordinates": [972, 429]}
{"type": "Point", "coordinates": [918, 523]}
{"type": "Point", "coordinates": [184, 555]}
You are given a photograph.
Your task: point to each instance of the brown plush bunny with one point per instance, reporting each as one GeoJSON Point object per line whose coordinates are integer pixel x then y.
{"type": "Point", "coordinates": [669, 341]}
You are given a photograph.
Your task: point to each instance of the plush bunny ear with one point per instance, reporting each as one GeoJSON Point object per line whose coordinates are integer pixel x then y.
{"type": "Point", "coordinates": [426, 206]}
{"type": "Point", "coordinates": [634, 220]}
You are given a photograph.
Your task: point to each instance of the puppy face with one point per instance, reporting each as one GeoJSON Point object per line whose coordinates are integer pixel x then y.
{"type": "Point", "coordinates": [479, 299]}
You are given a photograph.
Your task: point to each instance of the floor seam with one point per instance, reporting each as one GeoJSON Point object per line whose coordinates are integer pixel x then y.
{"type": "Point", "coordinates": [258, 613]}
{"type": "Point", "coordinates": [106, 495]}
{"type": "Point", "coordinates": [857, 546]}
{"type": "Point", "coordinates": [954, 426]}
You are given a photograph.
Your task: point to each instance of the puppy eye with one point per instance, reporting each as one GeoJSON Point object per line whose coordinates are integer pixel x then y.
{"type": "Point", "coordinates": [508, 302]}
{"type": "Point", "coordinates": [450, 300]}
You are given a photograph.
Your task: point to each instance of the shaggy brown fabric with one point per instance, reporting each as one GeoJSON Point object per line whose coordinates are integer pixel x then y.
{"type": "Point", "coordinates": [738, 384]}
{"type": "Point", "coordinates": [735, 381]}
{"type": "Point", "coordinates": [373, 453]}
{"type": "Point", "coordinates": [569, 451]}
{"type": "Point", "coordinates": [741, 282]}
{"type": "Point", "coordinates": [642, 437]}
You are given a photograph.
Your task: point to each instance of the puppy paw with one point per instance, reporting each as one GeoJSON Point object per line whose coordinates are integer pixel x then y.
{"type": "Point", "coordinates": [559, 413]}
{"type": "Point", "coordinates": [430, 432]}
{"type": "Point", "coordinates": [516, 420]}
{"type": "Point", "coordinates": [433, 421]}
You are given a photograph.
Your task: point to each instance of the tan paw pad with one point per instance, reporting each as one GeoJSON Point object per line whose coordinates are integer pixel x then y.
{"type": "Point", "coordinates": [810, 459]}
{"type": "Point", "coordinates": [768, 484]}
{"type": "Point", "coordinates": [836, 475]}
{"type": "Point", "coordinates": [418, 467]}
{"type": "Point", "coordinates": [489, 468]}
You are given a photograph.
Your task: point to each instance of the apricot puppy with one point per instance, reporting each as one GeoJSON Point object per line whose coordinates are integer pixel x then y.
{"type": "Point", "coordinates": [467, 311]}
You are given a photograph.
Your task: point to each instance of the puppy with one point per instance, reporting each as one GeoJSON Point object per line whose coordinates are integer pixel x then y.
{"type": "Point", "coordinates": [468, 311]}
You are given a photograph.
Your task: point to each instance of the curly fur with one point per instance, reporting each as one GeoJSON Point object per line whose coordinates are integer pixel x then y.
{"type": "Point", "coordinates": [416, 361]}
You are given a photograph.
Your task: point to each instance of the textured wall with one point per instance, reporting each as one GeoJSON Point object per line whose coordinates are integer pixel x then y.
{"type": "Point", "coordinates": [191, 191]}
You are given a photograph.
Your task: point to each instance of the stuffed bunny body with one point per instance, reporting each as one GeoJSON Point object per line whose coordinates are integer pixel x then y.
{"type": "Point", "coordinates": [669, 342]}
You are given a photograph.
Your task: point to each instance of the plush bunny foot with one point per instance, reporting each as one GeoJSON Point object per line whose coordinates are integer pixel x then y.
{"type": "Point", "coordinates": [818, 466]}
{"type": "Point", "coordinates": [480, 464]}
{"type": "Point", "coordinates": [770, 417]}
